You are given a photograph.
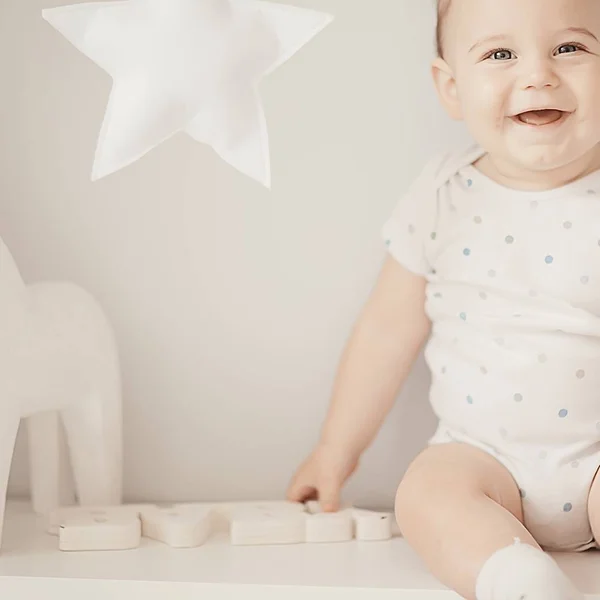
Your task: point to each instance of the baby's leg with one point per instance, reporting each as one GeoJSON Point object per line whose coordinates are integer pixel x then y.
{"type": "Point", "coordinates": [461, 510]}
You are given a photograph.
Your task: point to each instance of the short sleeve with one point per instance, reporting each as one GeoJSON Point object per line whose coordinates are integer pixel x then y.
{"type": "Point", "coordinates": [404, 234]}
{"type": "Point", "coordinates": [411, 226]}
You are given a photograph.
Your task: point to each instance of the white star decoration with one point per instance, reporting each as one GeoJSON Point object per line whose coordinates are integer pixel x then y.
{"type": "Point", "coordinates": [186, 65]}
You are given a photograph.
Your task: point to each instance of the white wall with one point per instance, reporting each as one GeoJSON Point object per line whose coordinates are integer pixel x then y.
{"type": "Point", "coordinates": [231, 303]}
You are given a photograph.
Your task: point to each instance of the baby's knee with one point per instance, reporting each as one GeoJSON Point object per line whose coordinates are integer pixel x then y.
{"type": "Point", "coordinates": [440, 477]}
{"type": "Point", "coordinates": [420, 483]}
{"type": "Point", "coordinates": [407, 499]}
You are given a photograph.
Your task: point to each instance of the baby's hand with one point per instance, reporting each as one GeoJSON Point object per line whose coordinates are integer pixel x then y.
{"type": "Point", "coordinates": [322, 476]}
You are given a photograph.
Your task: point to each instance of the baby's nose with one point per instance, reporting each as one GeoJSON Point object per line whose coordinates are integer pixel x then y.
{"type": "Point", "coordinates": [539, 74]}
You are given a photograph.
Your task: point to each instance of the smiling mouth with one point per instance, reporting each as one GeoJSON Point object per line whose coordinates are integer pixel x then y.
{"type": "Point", "coordinates": [540, 118]}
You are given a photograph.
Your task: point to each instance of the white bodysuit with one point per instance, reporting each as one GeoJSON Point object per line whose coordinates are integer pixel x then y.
{"type": "Point", "coordinates": [514, 298]}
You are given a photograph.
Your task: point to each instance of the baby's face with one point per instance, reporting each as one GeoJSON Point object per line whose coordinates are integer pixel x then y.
{"type": "Point", "coordinates": [514, 57]}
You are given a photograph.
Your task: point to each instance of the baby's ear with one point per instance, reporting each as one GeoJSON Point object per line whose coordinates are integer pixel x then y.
{"type": "Point", "coordinates": [445, 85]}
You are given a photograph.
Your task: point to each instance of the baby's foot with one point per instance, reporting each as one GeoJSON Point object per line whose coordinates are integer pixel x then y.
{"type": "Point", "coordinates": [523, 572]}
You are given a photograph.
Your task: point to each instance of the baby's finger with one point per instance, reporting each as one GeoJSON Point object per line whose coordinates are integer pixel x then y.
{"type": "Point", "coordinates": [329, 496]}
{"type": "Point", "coordinates": [300, 492]}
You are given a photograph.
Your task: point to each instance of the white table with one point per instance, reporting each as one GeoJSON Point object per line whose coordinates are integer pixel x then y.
{"type": "Point", "coordinates": [32, 567]}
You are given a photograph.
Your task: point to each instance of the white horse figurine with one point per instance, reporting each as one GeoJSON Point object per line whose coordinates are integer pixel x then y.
{"type": "Point", "coordinates": [58, 362]}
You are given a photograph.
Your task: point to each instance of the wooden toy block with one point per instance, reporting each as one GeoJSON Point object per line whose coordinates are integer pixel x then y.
{"type": "Point", "coordinates": [330, 527]}
{"type": "Point", "coordinates": [372, 526]}
{"type": "Point", "coordinates": [190, 525]}
{"type": "Point", "coordinates": [179, 527]}
{"type": "Point", "coordinates": [222, 512]}
{"type": "Point", "coordinates": [250, 527]}
{"type": "Point", "coordinates": [60, 515]}
{"type": "Point", "coordinates": [111, 532]}
{"type": "Point", "coordinates": [313, 507]}
{"type": "Point", "coordinates": [227, 509]}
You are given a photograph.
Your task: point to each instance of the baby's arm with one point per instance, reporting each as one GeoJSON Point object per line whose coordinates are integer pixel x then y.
{"type": "Point", "coordinates": [383, 346]}
{"type": "Point", "coordinates": [379, 355]}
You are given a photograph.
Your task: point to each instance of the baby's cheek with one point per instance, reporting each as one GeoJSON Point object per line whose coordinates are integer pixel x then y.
{"type": "Point", "coordinates": [584, 87]}
{"type": "Point", "coordinates": [593, 108]}
{"type": "Point", "coordinates": [485, 102]}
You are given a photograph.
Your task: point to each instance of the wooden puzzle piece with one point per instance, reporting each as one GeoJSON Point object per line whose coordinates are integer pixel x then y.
{"type": "Point", "coordinates": [371, 526]}
{"type": "Point", "coordinates": [60, 515]}
{"type": "Point", "coordinates": [330, 527]}
{"type": "Point", "coordinates": [222, 512]}
{"type": "Point", "coordinates": [110, 532]}
{"type": "Point", "coordinates": [253, 526]}
{"type": "Point", "coordinates": [227, 509]}
{"type": "Point", "coordinates": [179, 527]}
{"type": "Point", "coordinates": [188, 525]}
{"type": "Point", "coordinates": [313, 507]}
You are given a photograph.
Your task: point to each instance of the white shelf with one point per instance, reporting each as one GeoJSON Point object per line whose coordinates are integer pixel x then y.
{"type": "Point", "coordinates": [31, 566]}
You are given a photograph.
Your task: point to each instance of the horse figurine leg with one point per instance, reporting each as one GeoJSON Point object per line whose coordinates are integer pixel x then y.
{"type": "Point", "coordinates": [50, 475]}
{"type": "Point", "coordinates": [9, 426]}
{"type": "Point", "coordinates": [93, 428]}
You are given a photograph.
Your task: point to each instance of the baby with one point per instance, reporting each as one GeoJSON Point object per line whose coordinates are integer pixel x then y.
{"type": "Point", "coordinates": [494, 259]}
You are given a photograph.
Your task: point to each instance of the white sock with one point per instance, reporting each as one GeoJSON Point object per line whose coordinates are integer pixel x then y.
{"type": "Point", "coordinates": [522, 572]}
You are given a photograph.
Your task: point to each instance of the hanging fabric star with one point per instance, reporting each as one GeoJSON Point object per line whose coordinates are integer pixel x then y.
{"type": "Point", "coordinates": [186, 65]}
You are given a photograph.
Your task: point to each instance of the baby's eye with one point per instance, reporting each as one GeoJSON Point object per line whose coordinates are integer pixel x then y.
{"type": "Point", "coordinates": [568, 49]}
{"type": "Point", "coordinates": [501, 55]}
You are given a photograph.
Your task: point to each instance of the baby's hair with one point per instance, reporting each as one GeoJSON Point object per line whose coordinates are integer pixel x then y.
{"type": "Point", "coordinates": [443, 6]}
